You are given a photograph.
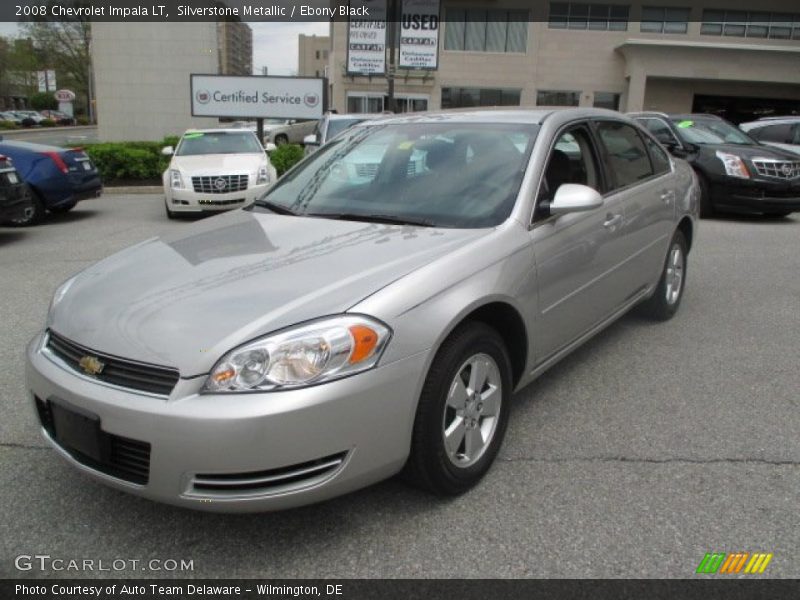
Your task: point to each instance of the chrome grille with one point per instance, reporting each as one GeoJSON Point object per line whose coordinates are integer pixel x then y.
{"type": "Point", "coordinates": [779, 169]}
{"type": "Point", "coordinates": [220, 202]}
{"type": "Point", "coordinates": [123, 373]}
{"type": "Point", "coordinates": [219, 184]}
{"type": "Point", "coordinates": [273, 481]}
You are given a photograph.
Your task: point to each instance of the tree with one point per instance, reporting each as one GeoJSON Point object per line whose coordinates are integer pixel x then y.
{"type": "Point", "coordinates": [66, 47]}
{"type": "Point", "coordinates": [43, 101]}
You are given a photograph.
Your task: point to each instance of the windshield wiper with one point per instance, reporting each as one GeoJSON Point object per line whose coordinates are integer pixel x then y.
{"type": "Point", "coordinates": [276, 208]}
{"type": "Point", "coordinates": [388, 219]}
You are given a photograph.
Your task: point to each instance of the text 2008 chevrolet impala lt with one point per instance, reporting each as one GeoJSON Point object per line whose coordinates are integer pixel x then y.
{"type": "Point", "coordinates": [372, 313]}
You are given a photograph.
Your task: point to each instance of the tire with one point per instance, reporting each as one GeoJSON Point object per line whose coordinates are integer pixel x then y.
{"type": "Point", "coordinates": [280, 140]}
{"type": "Point", "coordinates": [706, 207]}
{"type": "Point", "coordinates": [65, 208]}
{"type": "Point", "coordinates": [170, 214]}
{"type": "Point", "coordinates": [475, 433]}
{"type": "Point", "coordinates": [666, 299]}
{"type": "Point", "coordinates": [779, 214]}
{"type": "Point", "coordinates": [36, 213]}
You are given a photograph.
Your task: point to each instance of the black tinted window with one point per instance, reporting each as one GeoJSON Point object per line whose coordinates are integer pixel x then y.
{"type": "Point", "coordinates": [627, 156]}
{"type": "Point", "coordinates": [658, 156]}
{"type": "Point", "coordinates": [781, 134]}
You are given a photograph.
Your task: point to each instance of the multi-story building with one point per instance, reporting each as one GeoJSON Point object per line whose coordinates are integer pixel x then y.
{"type": "Point", "coordinates": [235, 46]}
{"type": "Point", "coordinates": [716, 56]}
{"type": "Point", "coordinates": [312, 55]}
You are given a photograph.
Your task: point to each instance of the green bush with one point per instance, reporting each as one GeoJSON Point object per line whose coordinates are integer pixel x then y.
{"type": "Point", "coordinates": [285, 157]}
{"type": "Point", "coordinates": [172, 140]}
{"type": "Point", "coordinates": [8, 125]}
{"type": "Point", "coordinates": [129, 161]}
{"type": "Point", "coordinates": [81, 120]}
{"type": "Point", "coordinates": [43, 101]}
{"type": "Point", "coordinates": [47, 123]}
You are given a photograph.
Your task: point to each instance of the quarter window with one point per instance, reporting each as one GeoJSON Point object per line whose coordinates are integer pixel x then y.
{"type": "Point", "coordinates": [486, 30]}
{"type": "Point", "coordinates": [627, 156]}
{"type": "Point", "coordinates": [661, 19]}
{"type": "Point", "coordinates": [600, 17]}
{"type": "Point", "coordinates": [660, 130]}
{"type": "Point", "coordinates": [781, 134]}
{"type": "Point", "coordinates": [658, 157]}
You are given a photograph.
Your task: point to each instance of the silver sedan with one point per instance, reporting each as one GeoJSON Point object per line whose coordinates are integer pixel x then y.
{"type": "Point", "coordinates": [371, 314]}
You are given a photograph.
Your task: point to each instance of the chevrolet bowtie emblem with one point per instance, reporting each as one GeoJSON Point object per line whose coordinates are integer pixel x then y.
{"type": "Point", "coordinates": [91, 365]}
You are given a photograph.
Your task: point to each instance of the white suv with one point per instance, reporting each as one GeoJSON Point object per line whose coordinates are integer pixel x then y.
{"type": "Point", "coordinates": [215, 170]}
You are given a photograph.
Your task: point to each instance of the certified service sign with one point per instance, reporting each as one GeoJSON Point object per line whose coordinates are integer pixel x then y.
{"type": "Point", "coordinates": [257, 97]}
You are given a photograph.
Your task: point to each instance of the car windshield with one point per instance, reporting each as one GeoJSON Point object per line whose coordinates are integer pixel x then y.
{"type": "Point", "coordinates": [218, 142]}
{"type": "Point", "coordinates": [337, 126]}
{"type": "Point", "coordinates": [459, 175]}
{"type": "Point", "coordinates": [711, 131]}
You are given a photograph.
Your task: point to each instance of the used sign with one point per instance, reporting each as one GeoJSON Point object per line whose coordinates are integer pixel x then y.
{"type": "Point", "coordinates": [419, 34]}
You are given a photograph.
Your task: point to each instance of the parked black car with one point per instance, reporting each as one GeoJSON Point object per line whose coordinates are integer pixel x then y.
{"type": "Point", "coordinates": [15, 198]}
{"type": "Point", "coordinates": [736, 172]}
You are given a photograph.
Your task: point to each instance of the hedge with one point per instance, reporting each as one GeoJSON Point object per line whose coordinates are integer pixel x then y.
{"type": "Point", "coordinates": [127, 161]}
{"type": "Point", "coordinates": [285, 157]}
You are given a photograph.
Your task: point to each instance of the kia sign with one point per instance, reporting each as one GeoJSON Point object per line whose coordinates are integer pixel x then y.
{"type": "Point", "coordinates": [258, 97]}
{"type": "Point", "coordinates": [366, 38]}
{"type": "Point", "coordinates": [64, 96]}
{"type": "Point", "coordinates": [419, 34]}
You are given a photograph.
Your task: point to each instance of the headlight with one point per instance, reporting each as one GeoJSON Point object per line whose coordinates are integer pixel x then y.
{"type": "Point", "coordinates": [61, 291]}
{"type": "Point", "coordinates": [734, 165]}
{"type": "Point", "coordinates": [263, 176]}
{"type": "Point", "coordinates": [305, 355]}
{"type": "Point", "coordinates": [175, 179]}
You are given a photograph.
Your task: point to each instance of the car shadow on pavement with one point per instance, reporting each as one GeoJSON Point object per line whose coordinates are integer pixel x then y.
{"type": "Point", "coordinates": [9, 236]}
{"type": "Point", "coordinates": [70, 217]}
{"type": "Point", "coordinates": [791, 219]}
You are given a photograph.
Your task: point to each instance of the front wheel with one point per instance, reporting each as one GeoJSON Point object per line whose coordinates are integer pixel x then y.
{"type": "Point", "coordinates": [667, 297]}
{"type": "Point", "coordinates": [463, 412]}
{"type": "Point", "coordinates": [706, 207]}
{"type": "Point", "coordinates": [33, 214]}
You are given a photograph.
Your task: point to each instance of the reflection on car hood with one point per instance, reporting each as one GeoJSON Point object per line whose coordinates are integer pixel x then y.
{"type": "Point", "coordinates": [184, 300]}
{"type": "Point", "coordinates": [218, 164]}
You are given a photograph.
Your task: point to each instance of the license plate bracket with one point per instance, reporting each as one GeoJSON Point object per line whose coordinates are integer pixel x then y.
{"type": "Point", "coordinates": [79, 430]}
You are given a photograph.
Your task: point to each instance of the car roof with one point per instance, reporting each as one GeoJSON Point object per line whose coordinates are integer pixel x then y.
{"type": "Point", "coordinates": [674, 116]}
{"type": "Point", "coordinates": [766, 121]}
{"type": "Point", "coordinates": [501, 115]}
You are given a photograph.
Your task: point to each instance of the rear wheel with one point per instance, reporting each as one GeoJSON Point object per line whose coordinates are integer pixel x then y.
{"type": "Point", "coordinates": [34, 214]}
{"type": "Point", "coordinates": [462, 413]}
{"type": "Point", "coordinates": [280, 140]}
{"type": "Point", "coordinates": [665, 301]}
{"type": "Point", "coordinates": [170, 214]}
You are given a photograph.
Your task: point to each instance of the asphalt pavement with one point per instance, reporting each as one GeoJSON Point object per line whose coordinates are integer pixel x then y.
{"type": "Point", "coordinates": [648, 447]}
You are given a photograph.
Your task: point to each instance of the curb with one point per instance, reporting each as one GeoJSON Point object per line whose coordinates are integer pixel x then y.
{"type": "Point", "coordinates": [134, 189]}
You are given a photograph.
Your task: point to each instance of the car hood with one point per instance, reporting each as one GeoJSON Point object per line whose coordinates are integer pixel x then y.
{"type": "Point", "coordinates": [218, 164]}
{"type": "Point", "coordinates": [184, 300]}
{"type": "Point", "coordinates": [751, 152]}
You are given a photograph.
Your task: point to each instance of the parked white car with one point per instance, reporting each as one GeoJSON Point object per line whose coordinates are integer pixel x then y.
{"type": "Point", "coordinates": [781, 132]}
{"type": "Point", "coordinates": [283, 131]}
{"type": "Point", "coordinates": [215, 170]}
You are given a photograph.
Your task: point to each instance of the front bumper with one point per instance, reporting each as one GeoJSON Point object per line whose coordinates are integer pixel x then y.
{"type": "Point", "coordinates": [364, 422]}
{"type": "Point", "coordinates": [187, 200]}
{"type": "Point", "coordinates": [755, 196]}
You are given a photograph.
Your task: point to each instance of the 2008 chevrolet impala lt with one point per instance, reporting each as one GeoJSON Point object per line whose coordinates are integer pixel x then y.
{"type": "Point", "coordinates": [372, 313]}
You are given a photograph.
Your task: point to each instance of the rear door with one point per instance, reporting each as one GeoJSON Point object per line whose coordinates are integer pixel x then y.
{"type": "Point", "coordinates": [641, 178]}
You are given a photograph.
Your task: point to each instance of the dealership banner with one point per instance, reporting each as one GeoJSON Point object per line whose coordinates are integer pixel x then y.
{"type": "Point", "coordinates": [256, 97]}
{"type": "Point", "coordinates": [366, 38]}
{"type": "Point", "coordinates": [419, 34]}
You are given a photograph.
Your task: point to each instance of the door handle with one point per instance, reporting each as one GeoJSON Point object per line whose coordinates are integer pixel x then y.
{"type": "Point", "coordinates": [612, 221]}
{"type": "Point", "coordinates": [668, 196]}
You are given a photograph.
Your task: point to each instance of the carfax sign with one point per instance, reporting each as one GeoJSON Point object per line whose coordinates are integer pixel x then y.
{"type": "Point", "coordinates": [366, 39]}
{"type": "Point", "coordinates": [419, 34]}
{"type": "Point", "coordinates": [258, 97]}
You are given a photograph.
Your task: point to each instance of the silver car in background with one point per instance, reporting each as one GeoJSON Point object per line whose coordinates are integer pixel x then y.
{"type": "Point", "coordinates": [372, 313]}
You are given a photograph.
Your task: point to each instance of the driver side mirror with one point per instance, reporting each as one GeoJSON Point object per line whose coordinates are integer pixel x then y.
{"type": "Point", "coordinates": [311, 140]}
{"type": "Point", "coordinates": [574, 197]}
{"type": "Point", "coordinates": [168, 151]}
{"type": "Point", "coordinates": [270, 147]}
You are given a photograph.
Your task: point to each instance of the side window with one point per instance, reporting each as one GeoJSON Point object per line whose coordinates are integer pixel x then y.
{"type": "Point", "coordinates": [780, 134]}
{"type": "Point", "coordinates": [658, 157]}
{"type": "Point", "coordinates": [627, 156]}
{"type": "Point", "coordinates": [795, 134]}
{"type": "Point", "coordinates": [572, 160]}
